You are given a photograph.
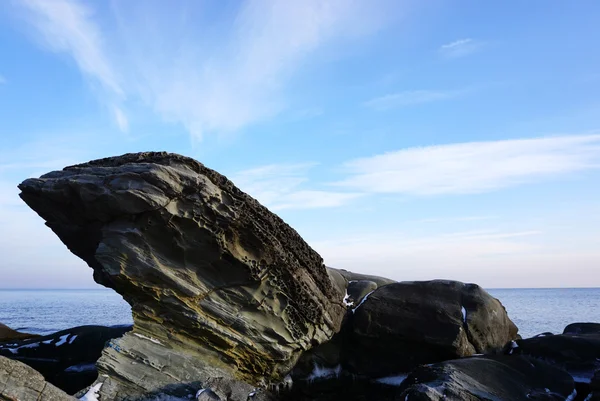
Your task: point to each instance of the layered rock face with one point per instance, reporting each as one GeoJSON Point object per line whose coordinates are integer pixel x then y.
{"type": "Point", "coordinates": [218, 285]}
{"type": "Point", "coordinates": [401, 325]}
{"type": "Point", "coordinates": [19, 382]}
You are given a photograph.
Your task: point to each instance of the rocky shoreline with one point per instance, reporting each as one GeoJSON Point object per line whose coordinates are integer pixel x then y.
{"type": "Point", "coordinates": [230, 303]}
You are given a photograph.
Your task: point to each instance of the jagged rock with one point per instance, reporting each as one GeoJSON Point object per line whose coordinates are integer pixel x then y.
{"type": "Point", "coordinates": [19, 382]}
{"type": "Point", "coordinates": [402, 325]}
{"type": "Point", "coordinates": [8, 334]}
{"type": "Point", "coordinates": [577, 350]}
{"type": "Point", "coordinates": [218, 285]}
{"type": "Point", "coordinates": [66, 358]}
{"type": "Point", "coordinates": [496, 377]}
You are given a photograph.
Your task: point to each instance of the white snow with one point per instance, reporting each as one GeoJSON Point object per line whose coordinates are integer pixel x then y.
{"type": "Point", "coordinates": [572, 396]}
{"type": "Point", "coordinates": [464, 314]}
{"type": "Point", "coordinates": [392, 380]}
{"type": "Point", "coordinates": [84, 367]}
{"type": "Point", "coordinates": [63, 340]}
{"type": "Point", "coordinates": [72, 339]}
{"type": "Point", "coordinates": [589, 397]}
{"type": "Point", "coordinates": [320, 372]}
{"type": "Point", "coordinates": [513, 345]}
{"type": "Point", "coordinates": [252, 394]}
{"type": "Point", "coordinates": [154, 340]}
{"type": "Point", "coordinates": [16, 350]}
{"type": "Point", "coordinates": [200, 392]}
{"type": "Point", "coordinates": [48, 341]}
{"type": "Point", "coordinates": [346, 303]}
{"type": "Point", "coordinates": [362, 301]}
{"type": "Point", "coordinates": [92, 393]}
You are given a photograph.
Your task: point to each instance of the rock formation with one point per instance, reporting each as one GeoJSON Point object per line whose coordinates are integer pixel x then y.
{"type": "Point", "coordinates": [66, 358]}
{"type": "Point", "coordinates": [218, 285]}
{"type": "Point", "coordinates": [19, 382]}
{"type": "Point", "coordinates": [8, 334]}
{"type": "Point", "coordinates": [499, 377]}
{"type": "Point", "coordinates": [402, 325]}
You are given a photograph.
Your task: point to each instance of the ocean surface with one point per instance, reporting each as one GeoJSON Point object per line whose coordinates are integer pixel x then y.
{"type": "Point", "coordinates": [534, 311]}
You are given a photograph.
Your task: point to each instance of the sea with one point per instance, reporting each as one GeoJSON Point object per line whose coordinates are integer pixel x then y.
{"type": "Point", "coordinates": [534, 311]}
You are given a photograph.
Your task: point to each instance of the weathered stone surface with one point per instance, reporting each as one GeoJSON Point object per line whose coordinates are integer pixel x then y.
{"type": "Point", "coordinates": [19, 382]}
{"type": "Point", "coordinates": [8, 334]}
{"type": "Point", "coordinates": [66, 358]}
{"type": "Point", "coordinates": [497, 377]}
{"type": "Point", "coordinates": [402, 325]}
{"type": "Point", "coordinates": [218, 285]}
{"type": "Point", "coordinates": [577, 351]}
{"type": "Point", "coordinates": [351, 276]}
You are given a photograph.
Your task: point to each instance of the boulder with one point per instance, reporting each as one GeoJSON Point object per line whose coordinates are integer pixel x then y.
{"type": "Point", "coordinates": [577, 350]}
{"type": "Point", "coordinates": [594, 387]}
{"type": "Point", "coordinates": [218, 285]}
{"type": "Point", "coordinates": [497, 377]}
{"type": "Point", "coordinates": [8, 334]}
{"type": "Point", "coordinates": [351, 276]}
{"type": "Point", "coordinates": [67, 358]}
{"type": "Point", "coordinates": [19, 382]}
{"type": "Point", "coordinates": [402, 325]}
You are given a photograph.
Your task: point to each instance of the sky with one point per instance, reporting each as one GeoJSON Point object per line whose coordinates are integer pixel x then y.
{"type": "Point", "coordinates": [408, 139]}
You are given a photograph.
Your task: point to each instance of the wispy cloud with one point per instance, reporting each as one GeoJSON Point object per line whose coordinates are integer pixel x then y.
{"type": "Point", "coordinates": [68, 26]}
{"type": "Point", "coordinates": [121, 120]}
{"type": "Point", "coordinates": [472, 167]}
{"type": "Point", "coordinates": [206, 75]}
{"type": "Point", "coordinates": [460, 48]}
{"type": "Point", "coordinates": [410, 98]}
{"type": "Point", "coordinates": [279, 186]}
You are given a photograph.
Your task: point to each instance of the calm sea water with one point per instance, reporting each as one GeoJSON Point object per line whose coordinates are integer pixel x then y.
{"type": "Point", "coordinates": [45, 311]}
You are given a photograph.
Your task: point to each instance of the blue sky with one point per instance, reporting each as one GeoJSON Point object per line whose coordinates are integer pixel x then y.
{"type": "Point", "coordinates": [414, 140]}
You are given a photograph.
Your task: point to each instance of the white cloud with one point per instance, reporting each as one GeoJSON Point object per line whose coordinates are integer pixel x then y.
{"type": "Point", "coordinates": [205, 73]}
{"type": "Point", "coordinates": [409, 98]}
{"type": "Point", "coordinates": [460, 48]}
{"type": "Point", "coordinates": [472, 167]}
{"type": "Point", "coordinates": [278, 186]}
{"type": "Point", "coordinates": [68, 26]}
{"type": "Point", "coordinates": [121, 120]}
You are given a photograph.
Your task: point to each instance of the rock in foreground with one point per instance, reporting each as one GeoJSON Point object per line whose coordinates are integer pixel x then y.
{"type": "Point", "coordinates": [402, 325]}
{"type": "Point", "coordinates": [8, 334]}
{"type": "Point", "coordinates": [19, 382]}
{"type": "Point", "coordinates": [218, 285]}
{"type": "Point", "coordinates": [499, 377]}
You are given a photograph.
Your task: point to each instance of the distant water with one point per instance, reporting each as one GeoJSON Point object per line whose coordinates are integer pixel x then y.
{"type": "Point", "coordinates": [534, 311]}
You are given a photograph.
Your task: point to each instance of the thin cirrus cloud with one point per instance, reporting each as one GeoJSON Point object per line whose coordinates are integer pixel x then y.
{"type": "Point", "coordinates": [410, 98]}
{"type": "Point", "coordinates": [198, 84]}
{"type": "Point", "coordinates": [460, 48]}
{"type": "Point", "coordinates": [472, 167]}
{"type": "Point", "coordinates": [279, 186]}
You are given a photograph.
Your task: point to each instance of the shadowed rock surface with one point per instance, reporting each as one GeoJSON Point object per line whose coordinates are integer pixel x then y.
{"type": "Point", "coordinates": [402, 325]}
{"type": "Point", "coordinates": [218, 285]}
{"type": "Point", "coordinates": [66, 358]}
{"type": "Point", "coordinates": [497, 378]}
{"type": "Point", "coordinates": [8, 334]}
{"type": "Point", "coordinates": [19, 382]}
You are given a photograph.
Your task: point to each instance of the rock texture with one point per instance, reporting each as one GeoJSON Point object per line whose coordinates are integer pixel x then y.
{"type": "Point", "coordinates": [218, 285]}
{"type": "Point", "coordinates": [8, 334]}
{"type": "Point", "coordinates": [402, 325]}
{"type": "Point", "coordinates": [577, 351]}
{"type": "Point", "coordinates": [19, 382]}
{"type": "Point", "coordinates": [498, 378]}
{"type": "Point", "coordinates": [67, 358]}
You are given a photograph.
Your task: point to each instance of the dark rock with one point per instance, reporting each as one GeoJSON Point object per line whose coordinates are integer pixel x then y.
{"type": "Point", "coordinates": [577, 351]}
{"type": "Point", "coordinates": [357, 290]}
{"type": "Point", "coordinates": [8, 334]}
{"type": "Point", "coordinates": [402, 325]}
{"type": "Point", "coordinates": [594, 387]}
{"type": "Point", "coordinates": [66, 358]}
{"type": "Point", "coordinates": [351, 276]}
{"type": "Point", "coordinates": [510, 378]}
{"type": "Point", "coordinates": [19, 382]}
{"type": "Point", "coordinates": [218, 285]}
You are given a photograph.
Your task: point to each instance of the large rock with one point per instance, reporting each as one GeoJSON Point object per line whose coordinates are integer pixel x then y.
{"type": "Point", "coordinates": [402, 325]}
{"type": "Point", "coordinates": [577, 350]}
{"type": "Point", "coordinates": [218, 285]}
{"type": "Point", "coordinates": [66, 358]}
{"type": "Point", "coordinates": [498, 378]}
{"type": "Point", "coordinates": [8, 334]}
{"type": "Point", "coordinates": [19, 382]}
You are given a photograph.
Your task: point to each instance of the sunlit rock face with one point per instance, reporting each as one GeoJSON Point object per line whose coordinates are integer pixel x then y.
{"type": "Point", "coordinates": [218, 285]}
